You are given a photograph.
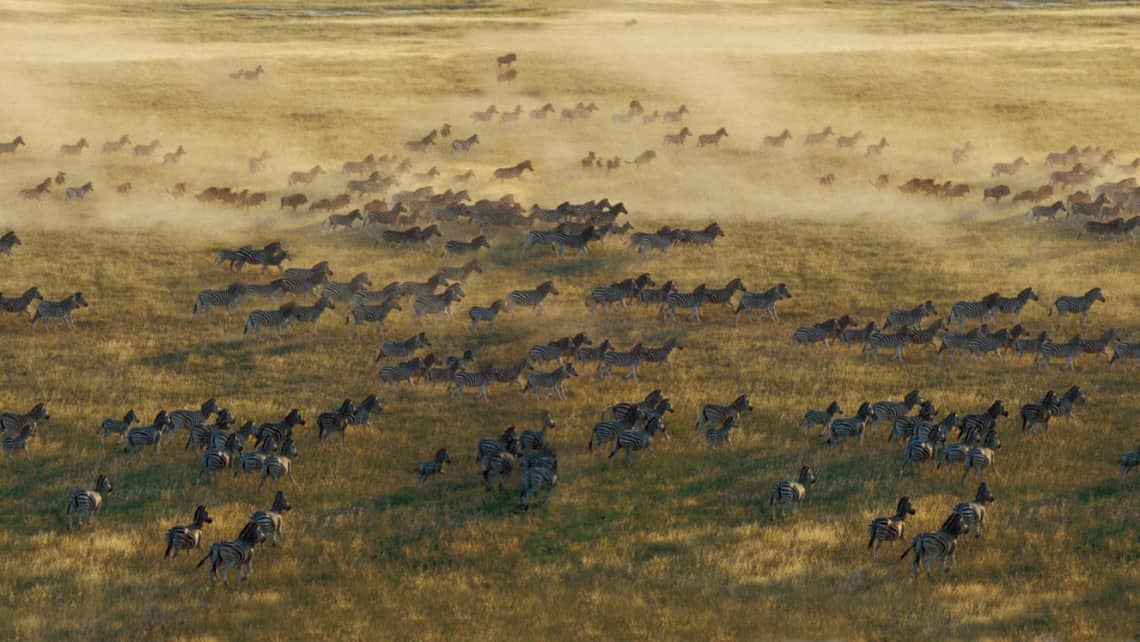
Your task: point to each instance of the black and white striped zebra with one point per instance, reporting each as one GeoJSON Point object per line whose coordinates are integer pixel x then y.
{"type": "Point", "coordinates": [378, 314]}
{"type": "Point", "coordinates": [557, 350]}
{"type": "Point", "coordinates": [983, 344]}
{"type": "Point", "coordinates": [456, 248]}
{"type": "Point", "coordinates": [227, 554]}
{"type": "Point", "coordinates": [630, 359]}
{"type": "Point", "coordinates": [203, 435]}
{"type": "Point", "coordinates": [405, 348]}
{"type": "Point", "coordinates": [460, 273]}
{"type": "Point", "coordinates": [903, 427]}
{"type": "Point", "coordinates": [879, 340]}
{"type": "Point", "coordinates": [631, 440]}
{"type": "Point", "coordinates": [1129, 461]}
{"type": "Point", "coordinates": [87, 502]}
{"type": "Point", "coordinates": [265, 291]}
{"type": "Point", "coordinates": [189, 537]}
{"type": "Point", "coordinates": [1066, 402]}
{"type": "Point", "coordinates": [58, 310]}
{"type": "Point", "coordinates": [346, 292]}
{"type": "Point", "coordinates": [607, 295]}
{"type": "Point", "coordinates": [13, 422]}
{"type": "Point", "coordinates": [920, 449]}
{"type": "Point", "coordinates": [979, 310]}
{"type": "Point", "coordinates": [486, 315]}
{"type": "Point", "coordinates": [251, 462]}
{"type": "Point", "coordinates": [692, 301]}
{"type": "Point", "coordinates": [974, 513]}
{"type": "Point", "coordinates": [139, 438]}
{"type": "Point", "coordinates": [1076, 304]}
{"type": "Point", "coordinates": [890, 529]}
{"type": "Point", "coordinates": [1123, 353]}
{"type": "Point", "coordinates": [336, 421]}
{"type": "Point", "coordinates": [606, 431]}
{"type": "Point", "coordinates": [1030, 345]}
{"type": "Point", "coordinates": [1013, 305]}
{"type": "Point", "coordinates": [912, 318]}
{"type": "Point", "coordinates": [981, 457]}
{"type": "Point", "coordinates": [271, 522]}
{"type": "Point", "coordinates": [19, 305]}
{"type": "Point", "coordinates": [312, 313]}
{"type": "Point", "coordinates": [722, 435]}
{"type": "Point", "coordinates": [508, 442]}
{"type": "Point", "coordinates": [661, 353]}
{"type": "Point", "coordinates": [215, 460]}
{"type": "Point", "coordinates": [1041, 412]}
{"type": "Point", "coordinates": [535, 480]}
{"type": "Point", "coordinates": [1069, 351]}
{"type": "Point", "coordinates": [751, 302]}
{"type": "Point", "coordinates": [18, 440]}
{"type": "Point", "coordinates": [821, 418]}
{"type": "Point", "coordinates": [843, 429]}
{"type": "Point", "coordinates": [406, 371]}
{"type": "Point", "coordinates": [791, 492]}
{"type": "Point", "coordinates": [278, 319]}
{"type": "Point", "coordinates": [531, 298]}
{"type": "Point", "coordinates": [628, 409]}
{"type": "Point", "coordinates": [364, 410]}
{"type": "Point", "coordinates": [553, 380]}
{"type": "Point", "coordinates": [281, 430]}
{"type": "Point", "coordinates": [587, 354]}
{"type": "Point", "coordinates": [184, 419]}
{"type": "Point", "coordinates": [432, 467]}
{"type": "Point", "coordinates": [889, 410]}
{"type": "Point", "coordinates": [497, 467]}
{"type": "Point", "coordinates": [464, 379]}
{"type": "Point", "coordinates": [226, 298]}
{"type": "Point", "coordinates": [433, 304]}
{"type": "Point", "coordinates": [715, 414]}
{"type": "Point", "coordinates": [941, 544]}
{"type": "Point", "coordinates": [530, 440]}
{"type": "Point", "coordinates": [117, 426]}
{"type": "Point", "coordinates": [953, 342]}
{"type": "Point", "coordinates": [656, 295]}
{"type": "Point", "coordinates": [280, 464]}
{"type": "Point", "coordinates": [955, 453]}
{"type": "Point", "coordinates": [821, 332]}
{"type": "Point", "coordinates": [985, 421]}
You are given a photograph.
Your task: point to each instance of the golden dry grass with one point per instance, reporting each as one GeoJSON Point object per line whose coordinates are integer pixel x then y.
{"type": "Point", "coordinates": [677, 546]}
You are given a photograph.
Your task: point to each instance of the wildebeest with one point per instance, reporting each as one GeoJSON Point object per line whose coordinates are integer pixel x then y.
{"type": "Point", "coordinates": [997, 192]}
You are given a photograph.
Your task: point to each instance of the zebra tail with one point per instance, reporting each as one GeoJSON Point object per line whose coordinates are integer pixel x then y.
{"type": "Point", "coordinates": [245, 330]}
{"type": "Point", "coordinates": [871, 543]}
{"type": "Point", "coordinates": [908, 550]}
{"type": "Point", "coordinates": [203, 560]}
{"type": "Point", "coordinates": [197, 305]}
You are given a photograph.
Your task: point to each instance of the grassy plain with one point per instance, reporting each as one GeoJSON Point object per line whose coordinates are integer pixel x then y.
{"type": "Point", "coordinates": [678, 546]}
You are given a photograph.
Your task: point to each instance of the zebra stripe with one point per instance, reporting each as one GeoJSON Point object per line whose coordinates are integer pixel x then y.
{"type": "Point", "coordinates": [189, 537]}
{"type": "Point", "coordinates": [981, 457]}
{"type": "Point", "coordinates": [821, 418]}
{"type": "Point", "coordinates": [59, 310]}
{"type": "Point", "coordinates": [87, 503]}
{"type": "Point", "coordinates": [750, 302]}
{"type": "Point", "coordinates": [979, 310]}
{"type": "Point", "coordinates": [431, 304]}
{"type": "Point", "coordinates": [18, 441]}
{"type": "Point", "coordinates": [1067, 351]}
{"type": "Point", "coordinates": [278, 319]}
{"type": "Point", "coordinates": [531, 298]}
{"type": "Point", "coordinates": [890, 410]}
{"type": "Point", "coordinates": [485, 315]}
{"type": "Point", "coordinates": [230, 553]}
{"type": "Point", "coordinates": [228, 298]}
{"type": "Point", "coordinates": [713, 414]}
{"type": "Point", "coordinates": [537, 478]}
{"type": "Point", "coordinates": [720, 435]}
{"type": "Point", "coordinates": [686, 301]}
{"type": "Point", "coordinates": [554, 380]}
{"type": "Point", "coordinates": [377, 314]}
{"type": "Point", "coordinates": [890, 529]}
{"type": "Point", "coordinates": [842, 429]}
{"type": "Point", "coordinates": [941, 544]}
{"type": "Point", "coordinates": [270, 522]}
{"type": "Point", "coordinates": [1077, 304]}
{"type": "Point", "coordinates": [180, 419]}
{"type": "Point", "coordinates": [281, 464]}
{"type": "Point", "coordinates": [974, 513]}
{"type": "Point", "coordinates": [432, 467]}
{"type": "Point", "coordinates": [631, 359]}
{"type": "Point", "coordinates": [631, 440]}
{"type": "Point", "coordinates": [790, 492]}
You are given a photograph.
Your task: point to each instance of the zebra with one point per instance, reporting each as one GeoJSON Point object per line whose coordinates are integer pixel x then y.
{"type": "Point", "coordinates": [203, 435]}
{"type": "Point", "coordinates": [462, 379]}
{"type": "Point", "coordinates": [1013, 305]}
{"type": "Point", "coordinates": [1024, 346]}
{"type": "Point", "coordinates": [18, 441]}
{"type": "Point", "coordinates": [905, 426]}
{"type": "Point", "coordinates": [925, 336]}
{"type": "Point", "coordinates": [896, 341]}
{"type": "Point", "coordinates": [723, 434]}
{"type": "Point", "coordinates": [821, 332]}
{"type": "Point", "coordinates": [280, 431]}
{"type": "Point", "coordinates": [629, 409]}
{"type": "Point", "coordinates": [554, 380]}
{"type": "Point", "coordinates": [531, 298]}
{"type": "Point", "coordinates": [841, 429]}
{"type": "Point", "coordinates": [1123, 353]}
{"type": "Point", "coordinates": [765, 301]}
{"type": "Point", "coordinates": [919, 450]}
{"type": "Point", "coordinates": [363, 313]}
{"type": "Point", "coordinates": [974, 513]}
{"type": "Point", "coordinates": [714, 414]}
{"type": "Point", "coordinates": [645, 296]}
{"type": "Point", "coordinates": [983, 344]}
{"type": "Point", "coordinates": [952, 342]}
{"type": "Point", "coordinates": [461, 273]}
{"type": "Point", "coordinates": [821, 418]}
{"type": "Point", "coordinates": [280, 464]}
{"type": "Point", "coordinates": [187, 538]}
{"type": "Point", "coordinates": [336, 421]}
{"type": "Point", "coordinates": [230, 553]}
{"type": "Point", "coordinates": [271, 522]}
{"type": "Point", "coordinates": [404, 348]}
{"type": "Point", "coordinates": [1039, 412]}
{"type": "Point", "coordinates": [686, 301]}
{"type": "Point", "coordinates": [139, 438]}
{"type": "Point", "coordinates": [702, 238]}
{"type": "Point", "coordinates": [853, 336]}
{"type": "Point", "coordinates": [661, 241]}
{"type": "Point", "coordinates": [506, 443]}
{"type": "Point", "coordinates": [79, 193]}
{"type": "Point", "coordinates": [279, 319]}
{"type": "Point", "coordinates": [981, 457]}
{"type": "Point", "coordinates": [661, 353]}
{"type": "Point", "coordinates": [911, 318]}
{"type": "Point", "coordinates": [940, 544]}
{"type": "Point", "coordinates": [346, 292]}
{"type": "Point", "coordinates": [983, 422]}
{"type": "Point", "coordinates": [1065, 403]}
{"type": "Point", "coordinates": [364, 410]}
{"type": "Point", "coordinates": [536, 439]}
{"type": "Point", "coordinates": [585, 354]}
{"type": "Point", "coordinates": [60, 310]}
{"type": "Point", "coordinates": [497, 467]}
{"type": "Point", "coordinates": [606, 431]}
{"type": "Point", "coordinates": [631, 359]}
{"type": "Point", "coordinates": [631, 440]}
{"type": "Point", "coordinates": [1129, 461]}
{"type": "Point", "coordinates": [1098, 345]}
{"type": "Point", "coordinates": [539, 237]}
{"type": "Point", "coordinates": [1076, 305]}
{"type": "Point", "coordinates": [252, 462]}
{"type": "Point", "coordinates": [956, 453]}
{"type": "Point", "coordinates": [405, 371]}
{"type": "Point", "coordinates": [791, 492]}
{"type": "Point", "coordinates": [117, 426]}
{"type": "Point", "coordinates": [890, 529]}
{"type": "Point", "coordinates": [1067, 351]}
{"type": "Point", "coordinates": [343, 220]}
{"type": "Point", "coordinates": [180, 419]}
{"type": "Point", "coordinates": [217, 459]}
{"type": "Point", "coordinates": [311, 313]}
{"type": "Point", "coordinates": [979, 310]}
{"type": "Point", "coordinates": [10, 422]}
{"type": "Point", "coordinates": [228, 297]}
{"type": "Point", "coordinates": [607, 295]}
{"type": "Point", "coordinates": [432, 467]}
{"type": "Point", "coordinates": [535, 479]}
{"type": "Point", "coordinates": [87, 502]}
{"type": "Point", "coordinates": [431, 304]}
{"type": "Point", "coordinates": [455, 248]}
{"type": "Point", "coordinates": [723, 296]}
{"type": "Point", "coordinates": [267, 291]}
{"type": "Point", "coordinates": [889, 410]}
{"type": "Point", "coordinates": [19, 305]}
{"type": "Point", "coordinates": [117, 145]}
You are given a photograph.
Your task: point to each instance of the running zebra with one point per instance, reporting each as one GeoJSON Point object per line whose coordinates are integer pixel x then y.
{"type": "Point", "coordinates": [981, 457]}
{"type": "Point", "coordinates": [252, 462]}
{"type": "Point", "coordinates": [364, 410]}
{"type": "Point", "coordinates": [230, 553]}
{"type": "Point", "coordinates": [1039, 413]}
{"type": "Point", "coordinates": [10, 422]}
{"type": "Point", "coordinates": [1067, 351]}
{"type": "Point", "coordinates": [880, 340]}
{"type": "Point", "coordinates": [607, 295]}
{"type": "Point", "coordinates": [956, 453]}
{"type": "Point", "coordinates": [228, 297]}
{"type": "Point", "coordinates": [553, 380]}
{"type": "Point", "coordinates": [405, 371]}
{"type": "Point", "coordinates": [952, 342]}
{"type": "Point", "coordinates": [974, 513]}
{"type": "Point", "coordinates": [433, 304]}
{"type": "Point", "coordinates": [530, 440]}
{"type": "Point", "coordinates": [983, 344]}
{"type": "Point", "coordinates": [631, 440]}
{"type": "Point", "coordinates": [661, 353]}
{"type": "Point", "coordinates": [506, 443]}
{"type": "Point", "coordinates": [187, 538]}
{"type": "Point", "coordinates": [822, 332]}
{"type": "Point", "coordinates": [18, 441]}
{"type": "Point", "coordinates": [1024, 346]}
{"type": "Point", "coordinates": [890, 529]}
{"type": "Point", "coordinates": [281, 430]}
{"type": "Point", "coordinates": [87, 503]}
{"type": "Point", "coordinates": [941, 544]}
{"type": "Point", "coordinates": [631, 359]}
{"type": "Point", "coordinates": [336, 421]}
{"type": "Point", "coordinates": [271, 522]}
{"type": "Point", "coordinates": [216, 459]}
{"type": "Point", "coordinates": [723, 296]}
{"type": "Point", "coordinates": [463, 379]}
{"type": "Point", "coordinates": [461, 273]}
{"type": "Point", "coordinates": [821, 418]}
{"type": "Point", "coordinates": [312, 313]}
{"type": "Point", "coordinates": [266, 291]}
{"type": "Point", "coordinates": [432, 467]}
{"type": "Point", "coordinates": [1123, 353]}
{"type": "Point", "coordinates": [457, 248]}
{"type": "Point", "coordinates": [139, 438]}
{"type": "Point", "coordinates": [278, 319]}
{"type": "Point", "coordinates": [911, 318]}
{"type": "Point", "coordinates": [791, 492]}
{"type": "Point", "coordinates": [60, 310]}
{"type": "Point", "coordinates": [180, 419]}
{"type": "Point", "coordinates": [539, 477]}
{"type": "Point", "coordinates": [117, 426]}
{"type": "Point", "coordinates": [378, 314]}
{"type": "Point", "coordinates": [854, 336]}
{"type": "Point", "coordinates": [842, 429]}
{"type": "Point", "coordinates": [656, 295]}
{"type": "Point", "coordinates": [201, 436]}
{"type": "Point", "coordinates": [919, 450]}
{"type": "Point", "coordinates": [585, 354]}
{"type": "Point", "coordinates": [1075, 305]}
{"type": "Point", "coordinates": [686, 301]}
{"type": "Point", "coordinates": [1066, 402]}
{"type": "Point", "coordinates": [404, 348]}
{"type": "Point", "coordinates": [605, 432]}
{"type": "Point", "coordinates": [1013, 305]}
{"type": "Point", "coordinates": [714, 414]}
{"type": "Point", "coordinates": [983, 422]}
{"type": "Point", "coordinates": [557, 350]}
{"type": "Point", "coordinates": [720, 435]}
{"type": "Point", "coordinates": [280, 464]}
{"type": "Point", "coordinates": [497, 467]}
{"type": "Point", "coordinates": [904, 426]}
{"type": "Point", "coordinates": [346, 292]}
{"type": "Point", "coordinates": [979, 310]}
{"type": "Point", "coordinates": [751, 302]}
{"type": "Point", "coordinates": [890, 410]}
{"type": "Point", "coordinates": [19, 305]}
{"type": "Point", "coordinates": [1129, 461]}
{"type": "Point", "coordinates": [531, 298]}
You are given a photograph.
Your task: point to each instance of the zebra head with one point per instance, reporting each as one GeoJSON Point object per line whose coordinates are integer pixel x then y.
{"type": "Point", "coordinates": [547, 420]}
{"type": "Point", "coordinates": [251, 534]}
{"type": "Point", "coordinates": [904, 507]}
{"type": "Point", "coordinates": [281, 504]}
{"type": "Point", "coordinates": [912, 398]}
{"type": "Point", "coordinates": [997, 409]}
{"type": "Point", "coordinates": [162, 421]}
{"type": "Point", "coordinates": [955, 525]}
{"type": "Point", "coordinates": [984, 496]}
{"type": "Point", "coordinates": [865, 412]}
{"type": "Point", "coordinates": [807, 476]}
{"type": "Point", "coordinates": [441, 457]}
{"type": "Point", "coordinates": [294, 418]}
{"type": "Point", "coordinates": [103, 485]}
{"type": "Point", "coordinates": [833, 408]}
{"type": "Point", "coordinates": [202, 516]}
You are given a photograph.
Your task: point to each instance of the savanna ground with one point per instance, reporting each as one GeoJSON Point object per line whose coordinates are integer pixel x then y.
{"type": "Point", "coordinates": [678, 545]}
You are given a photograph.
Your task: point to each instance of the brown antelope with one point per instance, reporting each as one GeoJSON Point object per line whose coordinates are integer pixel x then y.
{"type": "Point", "coordinates": [73, 150]}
